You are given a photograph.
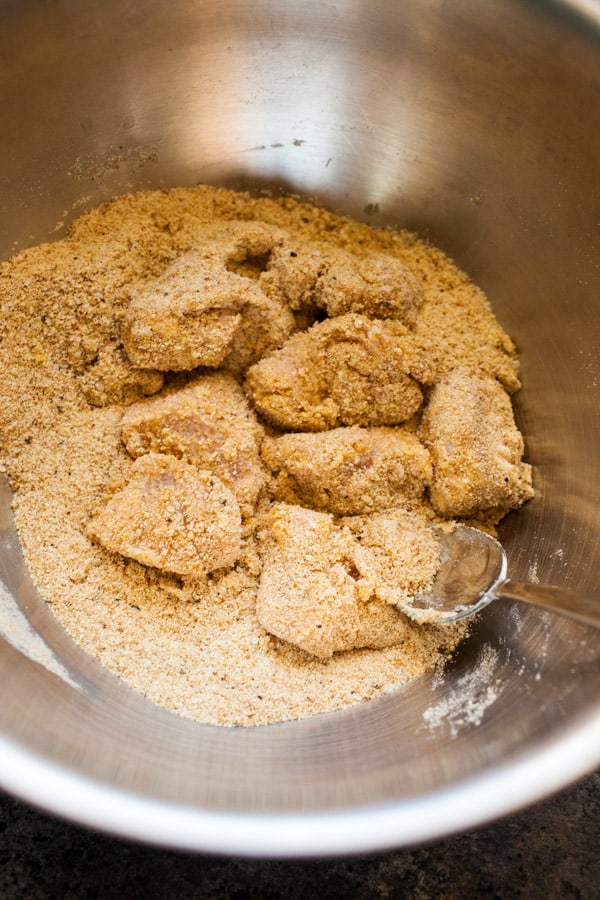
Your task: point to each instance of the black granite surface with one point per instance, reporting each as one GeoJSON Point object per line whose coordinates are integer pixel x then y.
{"type": "Point", "coordinates": [549, 851]}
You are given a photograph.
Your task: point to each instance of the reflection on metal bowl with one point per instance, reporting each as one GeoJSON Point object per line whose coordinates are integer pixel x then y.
{"type": "Point", "coordinates": [476, 125]}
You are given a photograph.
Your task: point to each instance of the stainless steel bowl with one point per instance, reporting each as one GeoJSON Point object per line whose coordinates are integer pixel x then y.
{"type": "Point", "coordinates": [476, 124]}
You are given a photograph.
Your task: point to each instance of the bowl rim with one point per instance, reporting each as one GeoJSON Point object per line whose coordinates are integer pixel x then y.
{"type": "Point", "coordinates": [505, 789]}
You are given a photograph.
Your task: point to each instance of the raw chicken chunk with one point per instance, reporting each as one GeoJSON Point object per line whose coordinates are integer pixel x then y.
{"type": "Point", "coordinates": [377, 285]}
{"type": "Point", "coordinates": [348, 471]}
{"type": "Point", "coordinates": [349, 370]}
{"type": "Point", "coordinates": [172, 516]}
{"type": "Point", "coordinates": [475, 446]}
{"type": "Point", "coordinates": [316, 589]}
{"type": "Point", "coordinates": [207, 423]}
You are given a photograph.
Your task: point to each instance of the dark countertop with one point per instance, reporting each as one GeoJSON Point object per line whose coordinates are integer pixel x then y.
{"type": "Point", "coordinates": [549, 851]}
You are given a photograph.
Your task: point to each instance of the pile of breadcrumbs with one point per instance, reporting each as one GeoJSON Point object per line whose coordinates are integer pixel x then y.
{"type": "Point", "coordinates": [234, 428]}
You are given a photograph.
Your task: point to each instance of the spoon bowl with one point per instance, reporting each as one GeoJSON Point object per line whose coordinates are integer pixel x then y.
{"type": "Point", "coordinates": [473, 572]}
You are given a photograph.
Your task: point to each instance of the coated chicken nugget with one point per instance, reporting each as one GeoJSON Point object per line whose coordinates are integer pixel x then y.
{"type": "Point", "coordinates": [244, 250]}
{"type": "Point", "coordinates": [316, 591]}
{"type": "Point", "coordinates": [265, 325]}
{"type": "Point", "coordinates": [349, 370]}
{"type": "Point", "coordinates": [377, 285]}
{"type": "Point", "coordinates": [348, 471]}
{"type": "Point", "coordinates": [458, 327]}
{"type": "Point", "coordinates": [294, 271]}
{"type": "Point", "coordinates": [208, 423]}
{"type": "Point", "coordinates": [404, 547]}
{"type": "Point", "coordinates": [112, 379]}
{"type": "Point", "coordinates": [186, 317]}
{"type": "Point", "coordinates": [172, 516]}
{"type": "Point", "coordinates": [476, 448]}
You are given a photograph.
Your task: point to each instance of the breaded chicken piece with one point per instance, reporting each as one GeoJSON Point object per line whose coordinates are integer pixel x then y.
{"type": "Point", "coordinates": [294, 271]}
{"type": "Point", "coordinates": [456, 328]}
{"type": "Point", "coordinates": [349, 370]}
{"type": "Point", "coordinates": [316, 589]}
{"type": "Point", "coordinates": [198, 313]}
{"type": "Point", "coordinates": [244, 249]}
{"type": "Point", "coordinates": [476, 448]}
{"type": "Point", "coordinates": [348, 471]}
{"type": "Point", "coordinates": [376, 285]}
{"type": "Point", "coordinates": [172, 516]}
{"type": "Point", "coordinates": [247, 248]}
{"type": "Point", "coordinates": [112, 379]}
{"type": "Point", "coordinates": [186, 317]}
{"type": "Point", "coordinates": [207, 423]}
{"type": "Point", "coordinates": [265, 325]}
{"type": "Point", "coordinates": [404, 548]}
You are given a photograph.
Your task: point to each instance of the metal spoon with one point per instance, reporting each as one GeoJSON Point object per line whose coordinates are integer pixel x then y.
{"type": "Point", "coordinates": [472, 573]}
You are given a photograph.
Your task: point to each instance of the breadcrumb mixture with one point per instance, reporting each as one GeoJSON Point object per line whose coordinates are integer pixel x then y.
{"type": "Point", "coordinates": [234, 427]}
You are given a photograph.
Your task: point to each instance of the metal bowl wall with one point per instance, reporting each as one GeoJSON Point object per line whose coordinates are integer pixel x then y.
{"type": "Point", "coordinates": [475, 124]}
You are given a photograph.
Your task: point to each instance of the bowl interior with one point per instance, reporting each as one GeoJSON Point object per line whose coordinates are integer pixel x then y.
{"type": "Point", "coordinates": [476, 125]}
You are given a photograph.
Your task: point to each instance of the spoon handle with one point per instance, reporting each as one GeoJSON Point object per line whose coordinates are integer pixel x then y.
{"type": "Point", "coordinates": [573, 604]}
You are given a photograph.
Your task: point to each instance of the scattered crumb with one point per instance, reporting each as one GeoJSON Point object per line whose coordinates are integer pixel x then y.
{"type": "Point", "coordinates": [471, 696]}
